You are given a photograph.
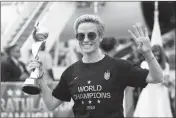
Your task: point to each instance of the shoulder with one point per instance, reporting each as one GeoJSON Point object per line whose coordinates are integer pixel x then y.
{"type": "Point", "coordinates": [69, 70]}
{"type": "Point", "coordinates": [120, 62]}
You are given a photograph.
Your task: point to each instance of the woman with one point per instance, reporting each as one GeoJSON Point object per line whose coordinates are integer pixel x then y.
{"type": "Point", "coordinates": [96, 82]}
{"type": "Point", "coordinates": [154, 99]}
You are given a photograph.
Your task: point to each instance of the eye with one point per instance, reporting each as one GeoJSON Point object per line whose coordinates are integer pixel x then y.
{"type": "Point", "coordinates": [80, 36]}
{"type": "Point", "coordinates": [92, 35]}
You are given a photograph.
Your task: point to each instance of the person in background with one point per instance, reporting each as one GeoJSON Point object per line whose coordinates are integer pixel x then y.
{"type": "Point", "coordinates": [72, 55]}
{"type": "Point", "coordinates": [13, 69]}
{"type": "Point", "coordinates": [96, 82]}
{"type": "Point", "coordinates": [154, 99]}
{"type": "Point", "coordinates": [3, 56]}
{"type": "Point", "coordinates": [108, 46]}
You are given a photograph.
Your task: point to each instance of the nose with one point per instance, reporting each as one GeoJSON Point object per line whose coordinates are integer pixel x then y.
{"type": "Point", "coordinates": [86, 39]}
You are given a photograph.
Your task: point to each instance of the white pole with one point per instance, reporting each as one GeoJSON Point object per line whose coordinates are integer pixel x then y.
{"type": "Point", "coordinates": [95, 7]}
{"type": "Point", "coordinates": [156, 33]}
{"type": "Point", "coordinates": [156, 5]}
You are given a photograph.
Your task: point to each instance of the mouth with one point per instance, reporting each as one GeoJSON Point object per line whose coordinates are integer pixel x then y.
{"type": "Point", "coordinates": [87, 45]}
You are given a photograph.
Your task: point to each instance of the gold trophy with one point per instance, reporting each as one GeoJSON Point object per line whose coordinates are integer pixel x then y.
{"type": "Point", "coordinates": [31, 84]}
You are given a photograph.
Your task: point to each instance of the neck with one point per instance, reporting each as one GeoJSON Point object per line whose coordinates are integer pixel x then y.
{"type": "Point", "coordinates": [93, 57]}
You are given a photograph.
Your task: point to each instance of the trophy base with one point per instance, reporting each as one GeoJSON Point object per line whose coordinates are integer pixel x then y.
{"type": "Point", "coordinates": [31, 86]}
{"type": "Point", "coordinates": [31, 89]}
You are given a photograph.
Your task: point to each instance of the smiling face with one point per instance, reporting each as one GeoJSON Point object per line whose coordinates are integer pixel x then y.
{"type": "Point", "coordinates": [90, 31]}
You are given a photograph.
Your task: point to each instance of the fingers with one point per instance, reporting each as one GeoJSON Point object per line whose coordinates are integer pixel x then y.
{"type": "Point", "coordinates": [133, 35]}
{"type": "Point", "coordinates": [146, 32]}
{"type": "Point", "coordinates": [34, 64]}
{"type": "Point", "coordinates": [139, 28]}
{"type": "Point", "coordinates": [136, 32]}
{"type": "Point", "coordinates": [36, 61]}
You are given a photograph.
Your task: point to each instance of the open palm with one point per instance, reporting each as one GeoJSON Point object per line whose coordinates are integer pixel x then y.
{"type": "Point", "coordinates": [141, 38]}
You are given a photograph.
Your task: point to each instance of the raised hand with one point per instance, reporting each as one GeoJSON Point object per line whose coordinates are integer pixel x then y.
{"type": "Point", "coordinates": [141, 38]}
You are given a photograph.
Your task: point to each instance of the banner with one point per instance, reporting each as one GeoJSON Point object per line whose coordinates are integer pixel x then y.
{"type": "Point", "coordinates": [17, 104]}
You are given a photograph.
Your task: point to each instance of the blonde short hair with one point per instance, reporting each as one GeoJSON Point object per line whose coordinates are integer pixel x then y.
{"type": "Point", "coordinates": [91, 19]}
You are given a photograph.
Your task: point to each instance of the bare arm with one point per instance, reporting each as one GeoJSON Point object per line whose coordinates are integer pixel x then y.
{"type": "Point", "coordinates": [50, 101]}
{"type": "Point", "coordinates": [155, 72]}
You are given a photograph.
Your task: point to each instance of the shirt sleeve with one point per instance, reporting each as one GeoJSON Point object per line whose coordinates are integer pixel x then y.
{"type": "Point", "coordinates": [137, 76]}
{"type": "Point", "coordinates": [61, 91]}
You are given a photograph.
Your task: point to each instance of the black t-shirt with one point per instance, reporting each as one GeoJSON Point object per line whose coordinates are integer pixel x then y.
{"type": "Point", "coordinates": [98, 88]}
